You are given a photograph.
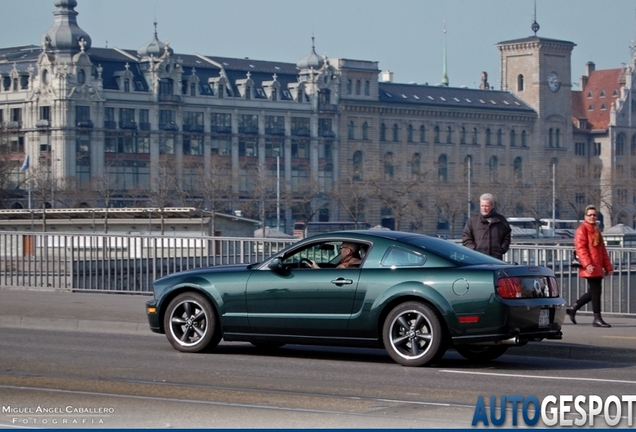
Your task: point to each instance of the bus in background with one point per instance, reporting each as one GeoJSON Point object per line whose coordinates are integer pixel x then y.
{"type": "Point", "coordinates": [563, 228]}
{"type": "Point", "coordinates": [306, 229]}
{"type": "Point", "coordinates": [525, 227]}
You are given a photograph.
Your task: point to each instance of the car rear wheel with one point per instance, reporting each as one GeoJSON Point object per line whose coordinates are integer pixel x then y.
{"type": "Point", "coordinates": [481, 353]}
{"type": "Point", "coordinates": [190, 323]}
{"type": "Point", "coordinates": [413, 335]}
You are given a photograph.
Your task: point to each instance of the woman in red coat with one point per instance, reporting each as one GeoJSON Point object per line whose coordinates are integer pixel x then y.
{"type": "Point", "coordinates": [595, 263]}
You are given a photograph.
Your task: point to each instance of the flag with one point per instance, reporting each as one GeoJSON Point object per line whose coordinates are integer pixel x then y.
{"type": "Point", "coordinates": [25, 165]}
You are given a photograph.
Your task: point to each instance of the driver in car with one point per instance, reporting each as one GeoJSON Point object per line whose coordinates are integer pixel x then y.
{"type": "Point", "coordinates": [350, 256]}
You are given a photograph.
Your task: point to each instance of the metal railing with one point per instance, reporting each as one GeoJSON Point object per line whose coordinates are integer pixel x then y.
{"type": "Point", "coordinates": [130, 263]}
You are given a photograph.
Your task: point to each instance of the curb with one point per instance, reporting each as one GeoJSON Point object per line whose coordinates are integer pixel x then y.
{"type": "Point", "coordinates": [72, 324]}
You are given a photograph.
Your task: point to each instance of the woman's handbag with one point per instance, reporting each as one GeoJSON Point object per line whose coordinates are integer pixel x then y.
{"type": "Point", "coordinates": [575, 263]}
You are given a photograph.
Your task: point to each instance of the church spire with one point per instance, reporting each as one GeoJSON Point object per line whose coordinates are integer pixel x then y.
{"type": "Point", "coordinates": [445, 74]}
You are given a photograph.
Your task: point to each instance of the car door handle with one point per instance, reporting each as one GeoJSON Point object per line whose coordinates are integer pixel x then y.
{"type": "Point", "coordinates": [342, 281]}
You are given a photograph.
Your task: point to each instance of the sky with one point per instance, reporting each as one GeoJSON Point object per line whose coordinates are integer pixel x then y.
{"type": "Point", "coordinates": [404, 36]}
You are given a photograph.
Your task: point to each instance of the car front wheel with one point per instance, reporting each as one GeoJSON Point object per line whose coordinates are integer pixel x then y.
{"type": "Point", "coordinates": [190, 323]}
{"type": "Point", "coordinates": [413, 335]}
{"type": "Point", "coordinates": [481, 353]}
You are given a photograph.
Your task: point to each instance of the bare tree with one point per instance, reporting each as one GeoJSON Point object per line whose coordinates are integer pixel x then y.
{"type": "Point", "coordinates": [352, 196]}
{"type": "Point", "coordinates": [215, 186]}
{"type": "Point", "coordinates": [261, 192]}
{"type": "Point", "coordinates": [162, 190]}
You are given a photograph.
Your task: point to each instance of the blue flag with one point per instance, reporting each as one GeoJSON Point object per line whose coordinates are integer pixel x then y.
{"type": "Point", "coordinates": [25, 165]}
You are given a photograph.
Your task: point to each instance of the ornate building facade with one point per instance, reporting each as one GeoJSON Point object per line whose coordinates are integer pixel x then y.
{"type": "Point", "coordinates": [322, 139]}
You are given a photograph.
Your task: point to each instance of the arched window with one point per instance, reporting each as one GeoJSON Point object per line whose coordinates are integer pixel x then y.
{"type": "Point", "coordinates": [513, 138]}
{"type": "Point", "coordinates": [396, 133]}
{"type": "Point", "coordinates": [358, 87]}
{"type": "Point", "coordinates": [442, 168]}
{"type": "Point", "coordinates": [488, 137]}
{"type": "Point", "coordinates": [81, 76]}
{"type": "Point", "coordinates": [557, 137]}
{"type": "Point", "coordinates": [389, 169]}
{"type": "Point", "coordinates": [358, 167]}
{"type": "Point", "coordinates": [524, 139]}
{"type": "Point", "coordinates": [449, 135]}
{"type": "Point", "coordinates": [436, 132]}
{"type": "Point", "coordinates": [475, 136]}
{"type": "Point", "coordinates": [550, 138]}
{"type": "Point", "coordinates": [416, 165]}
{"type": "Point", "coordinates": [462, 135]}
{"type": "Point", "coordinates": [349, 86]}
{"type": "Point", "coordinates": [518, 170]}
{"type": "Point", "coordinates": [423, 134]}
{"type": "Point", "coordinates": [365, 131]}
{"type": "Point", "coordinates": [382, 132]}
{"type": "Point", "coordinates": [409, 133]}
{"type": "Point", "coordinates": [520, 82]}
{"type": "Point", "coordinates": [499, 137]}
{"type": "Point", "coordinates": [367, 88]}
{"type": "Point", "coordinates": [493, 168]}
{"type": "Point", "coordinates": [351, 130]}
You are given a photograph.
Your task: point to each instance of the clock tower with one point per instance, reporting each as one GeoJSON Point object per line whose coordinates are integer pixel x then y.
{"type": "Point", "coordinates": [538, 71]}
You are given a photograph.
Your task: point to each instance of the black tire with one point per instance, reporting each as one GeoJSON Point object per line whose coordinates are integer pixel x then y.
{"type": "Point", "coordinates": [267, 345]}
{"type": "Point", "coordinates": [190, 323]}
{"type": "Point", "coordinates": [481, 353]}
{"type": "Point", "coordinates": [413, 335]}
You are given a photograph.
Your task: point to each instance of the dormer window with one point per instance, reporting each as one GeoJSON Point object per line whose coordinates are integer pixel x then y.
{"type": "Point", "coordinates": [81, 76]}
{"type": "Point", "coordinates": [127, 85]}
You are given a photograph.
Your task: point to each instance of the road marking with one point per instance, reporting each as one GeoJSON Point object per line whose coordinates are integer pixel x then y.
{"type": "Point", "coordinates": [620, 337]}
{"type": "Point", "coordinates": [538, 376]}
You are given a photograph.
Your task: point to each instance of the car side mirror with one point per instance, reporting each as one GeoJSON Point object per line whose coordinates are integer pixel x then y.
{"type": "Point", "coordinates": [276, 265]}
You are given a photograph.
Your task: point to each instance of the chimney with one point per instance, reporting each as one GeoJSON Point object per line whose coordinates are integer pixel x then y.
{"type": "Point", "coordinates": [386, 76]}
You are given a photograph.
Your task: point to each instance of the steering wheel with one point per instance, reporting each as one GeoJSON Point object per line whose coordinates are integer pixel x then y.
{"type": "Point", "coordinates": [306, 262]}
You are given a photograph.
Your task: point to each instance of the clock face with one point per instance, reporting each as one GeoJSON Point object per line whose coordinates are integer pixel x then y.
{"type": "Point", "coordinates": [553, 82]}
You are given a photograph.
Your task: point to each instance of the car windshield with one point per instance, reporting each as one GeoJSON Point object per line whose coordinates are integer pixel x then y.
{"type": "Point", "coordinates": [451, 251]}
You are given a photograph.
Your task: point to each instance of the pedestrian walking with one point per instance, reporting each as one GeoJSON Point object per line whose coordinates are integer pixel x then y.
{"type": "Point", "coordinates": [487, 231]}
{"type": "Point", "coordinates": [595, 264]}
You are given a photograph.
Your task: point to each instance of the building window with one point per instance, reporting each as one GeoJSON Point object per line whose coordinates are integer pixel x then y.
{"type": "Point", "coordinates": [273, 147]}
{"type": "Point", "coordinates": [45, 113]}
{"type": "Point", "coordinates": [488, 137]}
{"type": "Point", "coordinates": [422, 134]}
{"type": "Point", "coordinates": [221, 145]}
{"type": "Point", "coordinates": [579, 149]}
{"type": "Point", "coordinates": [367, 88]}
{"type": "Point", "coordinates": [127, 85]}
{"type": "Point", "coordinates": [513, 138]}
{"type": "Point", "coordinates": [144, 119]}
{"type": "Point", "coordinates": [350, 130]}
{"type": "Point", "coordinates": [409, 133]}
{"type": "Point", "coordinates": [493, 168]}
{"type": "Point", "coordinates": [520, 82]}
{"type": "Point", "coordinates": [518, 170]}
{"type": "Point", "coordinates": [462, 135]}
{"type": "Point", "coordinates": [416, 166]}
{"type": "Point", "coordinates": [275, 125]}
{"type": "Point", "coordinates": [524, 139]}
{"type": "Point", "coordinates": [248, 124]}
{"type": "Point", "coordinates": [596, 149]}
{"type": "Point", "coordinates": [396, 133]}
{"type": "Point", "coordinates": [83, 114]}
{"type": "Point", "coordinates": [499, 137]}
{"type": "Point", "coordinates": [300, 126]}
{"type": "Point", "coordinates": [557, 137]}
{"type": "Point", "coordinates": [596, 172]}
{"type": "Point", "coordinates": [221, 123]}
{"type": "Point", "coordinates": [442, 168]}
{"type": "Point", "coordinates": [358, 168]}
{"type": "Point", "coordinates": [382, 132]}
{"type": "Point", "coordinates": [620, 145]}
{"type": "Point", "coordinates": [365, 131]}
{"type": "Point", "coordinates": [349, 87]}
{"type": "Point", "coordinates": [579, 198]}
{"type": "Point", "coordinates": [389, 169]}
{"type": "Point", "coordinates": [550, 138]}
{"type": "Point", "coordinates": [358, 87]}
{"type": "Point", "coordinates": [248, 147]}
{"type": "Point", "coordinates": [621, 196]}
{"type": "Point", "coordinates": [300, 149]}
{"type": "Point", "coordinates": [449, 135]}
{"type": "Point", "coordinates": [436, 134]}
{"type": "Point", "coordinates": [475, 138]}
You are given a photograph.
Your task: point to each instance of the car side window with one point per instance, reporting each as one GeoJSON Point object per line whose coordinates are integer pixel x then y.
{"type": "Point", "coordinates": [321, 253]}
{"type": "Point", "coordinates": [400, 257]}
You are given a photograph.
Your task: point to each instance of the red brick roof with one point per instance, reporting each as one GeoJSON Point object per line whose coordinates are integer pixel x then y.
{"type": "Point", "coordinates": [594, 102]}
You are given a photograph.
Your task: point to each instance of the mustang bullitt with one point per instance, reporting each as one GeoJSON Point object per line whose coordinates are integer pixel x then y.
{"type": "Point", "coordinates": [411, 294]}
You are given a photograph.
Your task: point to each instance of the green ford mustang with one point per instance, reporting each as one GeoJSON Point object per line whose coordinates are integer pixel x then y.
{"type": "Point", "coordinates": [412, 294]}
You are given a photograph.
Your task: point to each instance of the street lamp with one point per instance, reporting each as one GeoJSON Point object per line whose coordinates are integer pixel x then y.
{"type": "Point", "coordinates": [553, 199]}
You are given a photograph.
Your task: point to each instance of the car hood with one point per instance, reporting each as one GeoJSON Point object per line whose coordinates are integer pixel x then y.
{"type": "Point", "coordinates": [204, 270]}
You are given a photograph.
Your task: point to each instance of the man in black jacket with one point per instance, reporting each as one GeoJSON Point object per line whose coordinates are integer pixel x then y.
{"type": "Point", "coordinates": [487, 231]}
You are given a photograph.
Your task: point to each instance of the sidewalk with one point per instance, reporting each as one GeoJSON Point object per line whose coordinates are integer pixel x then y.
{"type": "Point", "coordinates": [125, 313]}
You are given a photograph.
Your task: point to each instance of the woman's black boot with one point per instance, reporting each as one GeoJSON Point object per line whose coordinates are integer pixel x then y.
{"type": "Point", "coordinates": [572, 312]}
{"type": "Point", "coordinates": [598, 321]}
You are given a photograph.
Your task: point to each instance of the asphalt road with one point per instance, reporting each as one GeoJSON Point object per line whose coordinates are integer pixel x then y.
{"type": "Point", "coordinates": [94, 351]}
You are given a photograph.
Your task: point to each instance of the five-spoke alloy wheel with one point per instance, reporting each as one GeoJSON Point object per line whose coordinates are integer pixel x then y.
{"type": "Point", "coordinates": [413, 335]}
{"type": "Point", "coordinates": [190, 323]}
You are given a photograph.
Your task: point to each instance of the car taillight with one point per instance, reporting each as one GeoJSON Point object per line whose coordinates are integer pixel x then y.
{"type": "Point", "coordinates": [554, 287]}
{"type": "Point", "coordinates": [509, 288]}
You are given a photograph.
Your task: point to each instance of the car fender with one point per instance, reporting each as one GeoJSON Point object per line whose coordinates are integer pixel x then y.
{"type": "Point", "coordinates": [407, 291]}
{"type": "Point", "coordinates": [194, 284]}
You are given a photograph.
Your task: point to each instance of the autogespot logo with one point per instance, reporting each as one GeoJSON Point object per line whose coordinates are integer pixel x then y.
{"type": "Point", "coordinates": [562, 410]}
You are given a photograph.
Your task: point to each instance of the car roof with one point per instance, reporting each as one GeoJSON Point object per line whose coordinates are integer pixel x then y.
{"type": "Point", "coordinates": [386, 234]}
